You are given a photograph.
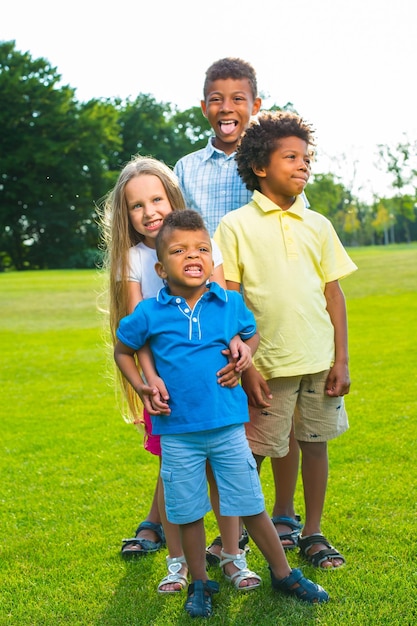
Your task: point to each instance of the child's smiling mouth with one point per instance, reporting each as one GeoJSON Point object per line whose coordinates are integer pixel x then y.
{"type": "Point", "coordinates": [154, 225]}
{"type": "Point", "coordinates": [227, 126]}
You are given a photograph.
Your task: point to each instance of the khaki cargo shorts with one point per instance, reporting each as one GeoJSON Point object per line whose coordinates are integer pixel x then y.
{"type": "Point", "coordinates": [302, 399]}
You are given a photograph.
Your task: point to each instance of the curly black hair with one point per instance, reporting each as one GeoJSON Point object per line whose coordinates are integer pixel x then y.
{"type": "Point", "coordinates": [186, 219]}
{"type": "Point", "coordinates": [260, 140]}
{"type": "Point", "coordinates": [231, 67]}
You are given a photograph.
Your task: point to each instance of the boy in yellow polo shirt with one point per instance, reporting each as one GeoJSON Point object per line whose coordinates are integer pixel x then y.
{"type": "Point", "coordinates": [289, 260]}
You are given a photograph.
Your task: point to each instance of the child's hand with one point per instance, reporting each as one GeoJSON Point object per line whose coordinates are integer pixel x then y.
{"type": "Point", "coordinates": [256, 388]}
{"type": "Point", "coordinates": [227, 376]}
{"type": "Point", "coordinates": [338, 380]}
{"type": "Point", "coordinates": [153, 401]}
{"type": "Point", "coordinates": [155, 397]}
{"type": "Point", "coordinates": [240, 358]}
{"type": "Point", "coordinates": [241, 352]}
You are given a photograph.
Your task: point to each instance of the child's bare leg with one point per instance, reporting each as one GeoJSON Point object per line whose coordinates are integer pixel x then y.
{"type": "Point", "coordinates": [314, 470]}
{"type": "Point", "coordinates": [146, 533]}
{"type": "Point", "coordinates": [285, 472]}
{"type": "Point", "coordinates": [230, 531]}
{"type": "Point", "coordinates": [230, 535]}
{"type": "Point", "coordinates": [193, 540]}
{"type": "Point", "coordinates": [263, 533]}
{"type": "Point", "coordinates": [173, 541]}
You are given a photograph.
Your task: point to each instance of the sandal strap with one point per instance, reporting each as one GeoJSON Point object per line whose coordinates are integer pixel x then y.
{"type": "Point", "coordinates": [146, 544]}
{"type": "Point", "coordinates": [198, 602]}
{"type": "Point", "coordinates": [175, 559]}
{"type": "Point", "coordinates": [287, 521]}
{"type": "Point", "coordinates": [242, 573]}
{"type": "Point", "coordinates": [329, 553]}
{"type": "Point", "coordinates": [239, 560]}
{"type": "Point", "coordinates": [295, 584]}
{"type": "Point", "coordinates": [157, 529]}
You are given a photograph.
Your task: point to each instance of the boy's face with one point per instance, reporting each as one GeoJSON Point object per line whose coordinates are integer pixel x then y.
{"type": "Point", "coordinates": [187, 261]}
{"type": "Point", "coordinates": [288, 170]}
{"type": "Point", "coordinates": [228, 106]}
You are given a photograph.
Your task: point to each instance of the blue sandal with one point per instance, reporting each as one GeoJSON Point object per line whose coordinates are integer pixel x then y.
{"type": "Point", "coordinates": [295, 526]}
{"type": "Point", "coordinates": [304, 590]}
{"type": "Point", "coordinates": [146, 545]}
{"type": "Point", "coordinates": [199, 594]}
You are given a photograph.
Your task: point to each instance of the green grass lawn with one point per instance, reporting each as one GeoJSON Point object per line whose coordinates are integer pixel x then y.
{"type": "Point", "coordinates": [75, 479]}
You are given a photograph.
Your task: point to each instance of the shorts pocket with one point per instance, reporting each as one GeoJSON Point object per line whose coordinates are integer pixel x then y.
{"type": "Point", "coordinates": [166, 476]}
{"type": "Point", "coordinates": [253, 475]}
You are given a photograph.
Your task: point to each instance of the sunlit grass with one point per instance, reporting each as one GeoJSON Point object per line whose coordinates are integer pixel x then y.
{"type": "Point", "coordinates": [75, 479]}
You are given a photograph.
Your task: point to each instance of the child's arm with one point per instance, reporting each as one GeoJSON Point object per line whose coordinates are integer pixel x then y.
{"type": "Point", "coordinates": [239, 354]}
{"type": "Point", "coordinates": [155, 403]}
{"type": "Point", "coordinates": [160, 400]}
{"type": "Point", "coordinates": [124, 357]}
{"type": "Point", "coordinates": [240, 358]}
{"type": "Point", "coordinates": [338, 380]}
{"type": "Point", "coordinates": [253, 383]}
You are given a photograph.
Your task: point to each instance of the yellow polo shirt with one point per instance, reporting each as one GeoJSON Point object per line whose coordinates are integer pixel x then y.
{"type": "Point", "coordinates": [283, 260]}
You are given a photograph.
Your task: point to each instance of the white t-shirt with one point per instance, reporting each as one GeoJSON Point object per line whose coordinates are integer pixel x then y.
{"type": "Point", "coordinates": [142, 261]}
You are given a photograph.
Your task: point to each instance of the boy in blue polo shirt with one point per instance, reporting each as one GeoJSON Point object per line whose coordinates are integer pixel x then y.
{"type": "Point", "coordinates": [187, 326]}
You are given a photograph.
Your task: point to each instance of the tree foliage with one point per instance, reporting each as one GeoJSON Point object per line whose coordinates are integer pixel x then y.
{"type": "Point", "coordinates": [59, 158]}
{"type": "Point", "coordinates": [53, 162]}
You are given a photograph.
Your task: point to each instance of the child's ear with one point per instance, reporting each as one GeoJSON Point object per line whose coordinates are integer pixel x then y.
{"type": "Point", "coordinates": [259, 171]}
{"type": "Point", "coordinates": [256, 106]}
{"type": "Point", "coordinates": [203, 107]}
{"type": "Point", "coordinates": [160, 270]}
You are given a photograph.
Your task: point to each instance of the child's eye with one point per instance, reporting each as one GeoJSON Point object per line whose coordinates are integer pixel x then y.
{"type": "Point", "coordinates": [202, 249]}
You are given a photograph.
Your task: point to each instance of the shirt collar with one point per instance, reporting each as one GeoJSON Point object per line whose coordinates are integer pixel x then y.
{"type": "Point", "coordinates": [210, 152]}
{"type": "Point", "coordinates": [214, 291]}
{"type": "Point", "coordinates": [266, 205]}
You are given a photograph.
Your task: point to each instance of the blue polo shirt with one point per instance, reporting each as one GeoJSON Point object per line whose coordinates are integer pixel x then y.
{"type": "Point", "coordinates": [186, 345]}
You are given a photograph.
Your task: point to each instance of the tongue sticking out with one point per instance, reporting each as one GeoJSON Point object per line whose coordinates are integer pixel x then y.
{"type": "Point", "coordinates": [227, 127]}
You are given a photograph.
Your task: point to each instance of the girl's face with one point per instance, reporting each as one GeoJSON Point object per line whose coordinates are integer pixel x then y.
{"type": "Point", "coordinates": [148, 205]}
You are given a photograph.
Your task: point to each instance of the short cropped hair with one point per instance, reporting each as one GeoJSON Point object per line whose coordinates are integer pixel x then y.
{"type": "Point", "coordinates": [231, 67]}
{"type": "Point", "coordinates": [260, 140]}
{"type": "Point", "coordinates": [186, 219]}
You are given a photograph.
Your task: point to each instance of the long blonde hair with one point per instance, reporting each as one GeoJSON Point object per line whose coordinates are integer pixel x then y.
{"type": "Point", "coordinates": [118, 235]}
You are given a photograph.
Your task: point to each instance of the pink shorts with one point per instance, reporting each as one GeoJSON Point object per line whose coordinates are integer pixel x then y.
{"type": "Point", "coordinates": [151, 443]}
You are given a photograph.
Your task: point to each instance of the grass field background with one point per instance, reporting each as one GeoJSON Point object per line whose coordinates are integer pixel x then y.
{"type": "Point", "coordinates": [75, 478]}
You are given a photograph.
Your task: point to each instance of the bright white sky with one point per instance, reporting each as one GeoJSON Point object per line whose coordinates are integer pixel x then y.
{"type": "Point", "coordinates": [348, 67]}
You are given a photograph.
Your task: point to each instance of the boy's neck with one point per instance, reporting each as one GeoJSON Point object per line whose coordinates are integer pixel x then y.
{"type": "Point", "coordinates": [227, 148]}
{"type": "Point", "coordinates": [284, 202]}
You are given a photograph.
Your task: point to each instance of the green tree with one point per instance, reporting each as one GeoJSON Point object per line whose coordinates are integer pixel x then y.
{"type": "Point", "coordinates": [158, 129]}
{"type": "Point", "coordinates": [53, 164]}
{"type": "Point", "coordinates": [401, 163]}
